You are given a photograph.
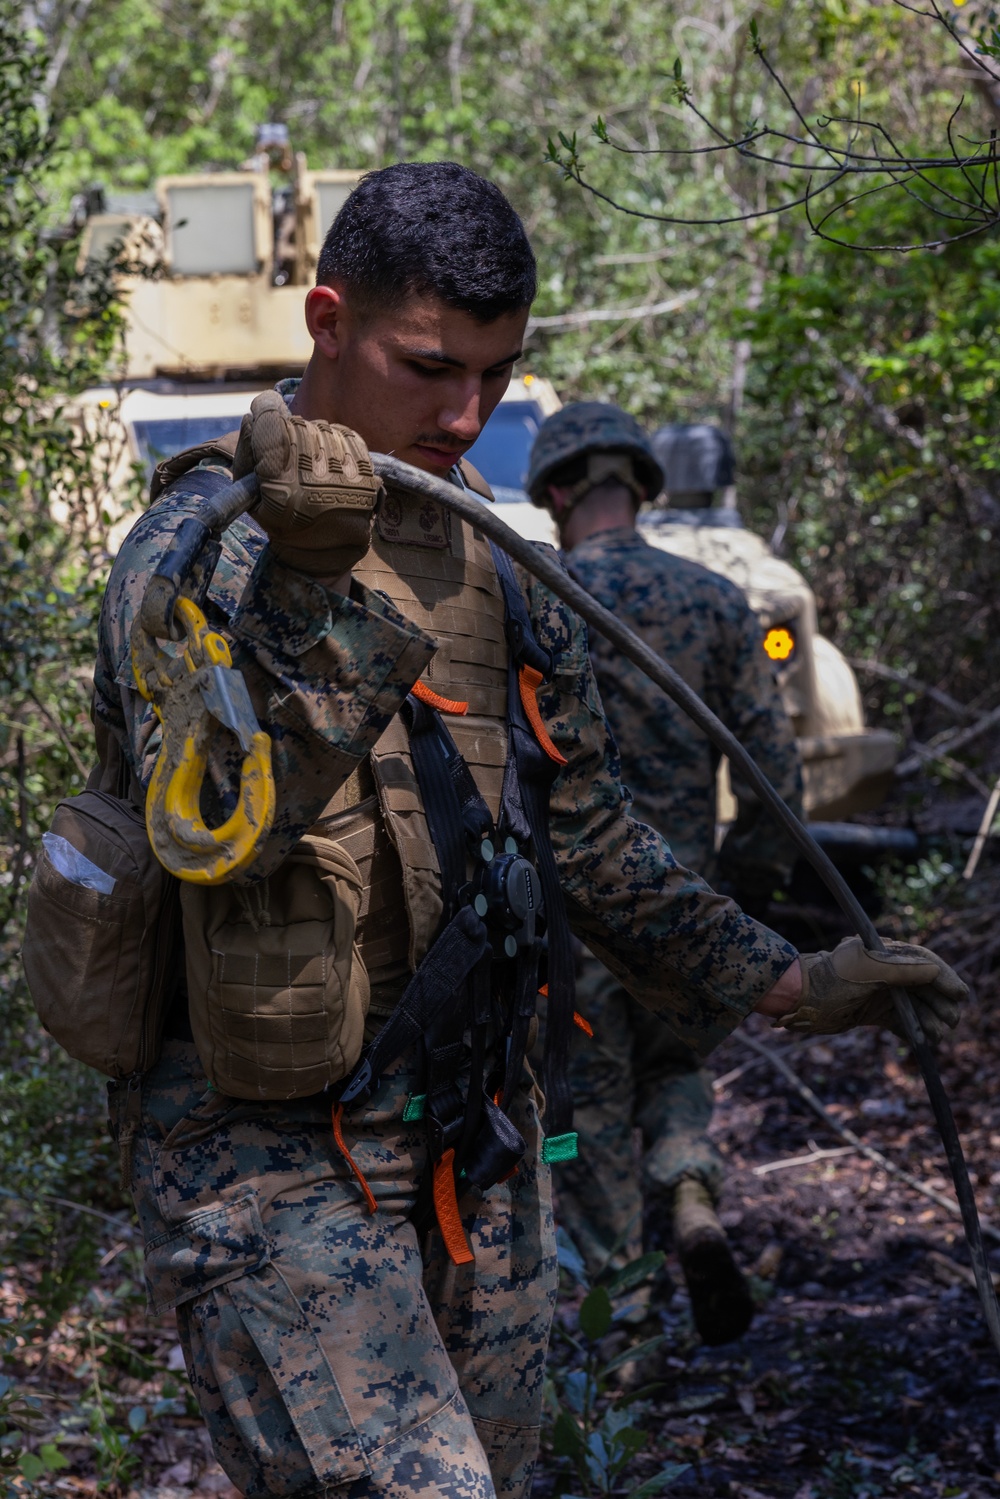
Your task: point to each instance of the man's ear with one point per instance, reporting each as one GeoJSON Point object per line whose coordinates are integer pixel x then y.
{"type": "Point", "coordinates": [558, 499]}
{"type": "Point", "coordinates": [324, 315]}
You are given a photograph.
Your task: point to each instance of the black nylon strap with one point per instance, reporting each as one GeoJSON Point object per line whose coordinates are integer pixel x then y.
{"type": "Point", "coordinates": [440, 798]}
{"type": "Point", "coordinates": [517, 622]}
{"type": "Point", "coordinates": [525, 1006]}
{"type": "Point", "coordinates": [535, 774]}
{"type": "Point", "coordinates": [431, 1009]}
{"type": "Point", "coordinates": [455, 809]}
{"type": "Point", "coordinates": [479, 1020]}
{"type": "Point", "coordinates": [460, 947]}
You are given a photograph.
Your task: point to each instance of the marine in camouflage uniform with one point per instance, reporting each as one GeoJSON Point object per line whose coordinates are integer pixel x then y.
{"type": "Point", "coordinates": [635, 1072]}
{"type": "Point", "coordinates": [332, 1348]}
{"type": "Point", "coordinates": [326, 1344]}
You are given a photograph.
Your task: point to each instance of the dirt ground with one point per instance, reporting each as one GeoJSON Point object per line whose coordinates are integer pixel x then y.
{"type": "Point", "coordinates": [867, 1371]}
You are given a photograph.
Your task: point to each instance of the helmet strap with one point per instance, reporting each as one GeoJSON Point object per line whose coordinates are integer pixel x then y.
{"type": "Point", "coordinates": [601, 467]}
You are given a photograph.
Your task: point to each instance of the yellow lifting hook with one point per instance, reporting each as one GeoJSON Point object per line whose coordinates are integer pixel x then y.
{"type": "Point", "coordinates": [189, 692]}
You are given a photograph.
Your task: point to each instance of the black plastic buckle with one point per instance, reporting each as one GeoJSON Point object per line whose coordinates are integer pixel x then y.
{"type": "Point", "coordinates": [444, 1116]}
{"type": "Point", "coordinates": [360, 1082]}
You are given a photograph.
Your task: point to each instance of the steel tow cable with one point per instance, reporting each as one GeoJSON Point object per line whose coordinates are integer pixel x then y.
{"type": "Point", "coordinates": [226, 507]}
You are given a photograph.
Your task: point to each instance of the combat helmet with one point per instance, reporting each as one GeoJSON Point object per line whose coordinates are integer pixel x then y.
{"type": "Point", "coordinates": [599, 432]}
{"type": "Point", "coordinates": [696, 458]}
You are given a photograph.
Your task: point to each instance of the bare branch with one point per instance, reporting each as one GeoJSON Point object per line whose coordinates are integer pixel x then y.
{"type": "Point", "coordinates": [975, 162]}
{"type": "Point", "coordinates": [949, 25]}
{"type": "Point", "coordinates": [564, 320]}
{"type": "Point", "coordinates": [945, 744]}
{"type": "Point", "coordinates": [890, 674]}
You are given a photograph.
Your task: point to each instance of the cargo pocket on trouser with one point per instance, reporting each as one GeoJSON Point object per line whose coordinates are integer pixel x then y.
{"type": "Point", "coordinates": [277, 1419]}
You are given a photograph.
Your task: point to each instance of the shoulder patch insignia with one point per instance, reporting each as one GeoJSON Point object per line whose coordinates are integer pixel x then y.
{"type": "Point", "coordinates": [413, 522]}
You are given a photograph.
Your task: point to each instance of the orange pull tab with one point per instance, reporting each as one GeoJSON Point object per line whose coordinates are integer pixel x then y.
{"type": "Point", "coordinates": [529, 680]}
{"type": "Point", "coordinates": [446, 1209]}
{"type": "Point", "coordinates": [435, 700]}
{"type": "Point", "coordinates": [369, 1195]}
{"type": "Point", "coordinates": [579, 1020]}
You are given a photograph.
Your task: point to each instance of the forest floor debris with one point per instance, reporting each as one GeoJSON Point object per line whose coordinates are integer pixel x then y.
{"type": "Point", "coordinates": [868, 1371]}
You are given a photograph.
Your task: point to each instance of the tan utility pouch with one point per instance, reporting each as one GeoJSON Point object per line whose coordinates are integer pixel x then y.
{"type": "Point", "coordinates": [100, 945]}
{"type": "Point", "coordinates": [277, 990]}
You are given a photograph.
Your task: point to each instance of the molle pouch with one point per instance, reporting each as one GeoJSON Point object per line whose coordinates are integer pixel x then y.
{"type": "Point", "coordinates": [101, 940]}
{"type": "Point", "coordinates": [277, 990]}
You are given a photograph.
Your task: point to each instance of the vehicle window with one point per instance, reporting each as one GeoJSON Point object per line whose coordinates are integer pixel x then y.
{"type": "Point", "coordinates": [502, 449]}
{"type": "Point", "coordinates": [162, 437]}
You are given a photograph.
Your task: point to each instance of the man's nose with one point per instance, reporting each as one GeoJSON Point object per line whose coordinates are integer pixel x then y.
{"type": "Point", "coordinates": [460, 416]}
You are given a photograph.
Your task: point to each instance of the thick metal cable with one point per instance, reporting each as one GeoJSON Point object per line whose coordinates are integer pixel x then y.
{"type": "Point", "coordinates": [548, 570]}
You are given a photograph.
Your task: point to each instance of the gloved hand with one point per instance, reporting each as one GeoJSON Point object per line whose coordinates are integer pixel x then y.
{"type": "Point", "coordinates": [317, 485]}
{"type": "Point", "coordinates": [850, 986]}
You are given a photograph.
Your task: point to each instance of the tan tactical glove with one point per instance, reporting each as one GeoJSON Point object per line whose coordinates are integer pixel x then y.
{"type": "Point", "coordinates": [317, 485]}
{"type": "Point", "coordinates": [850, 986]}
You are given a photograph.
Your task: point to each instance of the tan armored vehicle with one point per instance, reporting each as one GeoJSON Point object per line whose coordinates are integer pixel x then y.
{"type": "Point", "coordinates": [213, 281]}
{"type": "Point", "coordinates": [211, 271]}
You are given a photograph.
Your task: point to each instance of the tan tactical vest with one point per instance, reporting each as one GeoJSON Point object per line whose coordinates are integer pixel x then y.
{"type": "Point", "coordinates": [438, 572]}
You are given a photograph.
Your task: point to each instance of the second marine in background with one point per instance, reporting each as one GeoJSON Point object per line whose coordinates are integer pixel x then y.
{"type": "Point", "coordinates": [592, 467]}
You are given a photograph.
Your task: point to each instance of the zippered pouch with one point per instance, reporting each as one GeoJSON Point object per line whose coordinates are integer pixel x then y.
{"type": "Point", "coordinates": [101, 943]}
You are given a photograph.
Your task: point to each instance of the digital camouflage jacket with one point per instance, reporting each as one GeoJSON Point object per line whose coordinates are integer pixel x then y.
{"type": "Point", "coordinates": [704, 628]}
{"type": "Point", "coordinates": [328, 673]}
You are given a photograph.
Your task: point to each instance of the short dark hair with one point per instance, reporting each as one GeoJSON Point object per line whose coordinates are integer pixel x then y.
{"type": "Point", "coordinates": [430, 229]}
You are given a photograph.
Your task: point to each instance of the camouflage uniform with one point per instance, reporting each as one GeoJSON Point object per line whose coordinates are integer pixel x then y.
{"type": "Point", "coordinates": [331, 1350]}
{"type": "Point", "coordinates": [635, 1072]}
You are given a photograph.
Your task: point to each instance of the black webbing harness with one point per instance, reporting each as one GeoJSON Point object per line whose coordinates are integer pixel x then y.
{"type": "Point", "coordinates": [471, 1001]}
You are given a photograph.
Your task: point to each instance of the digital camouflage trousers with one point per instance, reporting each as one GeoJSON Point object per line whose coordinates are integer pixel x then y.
{"type": "Point", "coordinates": [633, 1072]}
{"type": "Point", "coordinates": [333, 1350]}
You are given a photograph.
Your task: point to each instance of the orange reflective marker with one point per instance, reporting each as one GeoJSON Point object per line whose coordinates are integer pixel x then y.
{"type": "Point", "coordinates": [779, 643]}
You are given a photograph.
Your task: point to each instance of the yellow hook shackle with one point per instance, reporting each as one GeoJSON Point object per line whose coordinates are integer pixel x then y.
{"type": "Point", "coordinates": [189, 694]}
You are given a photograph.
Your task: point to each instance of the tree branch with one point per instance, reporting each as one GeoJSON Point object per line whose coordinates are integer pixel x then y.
{"type": "Point", "coordinates": [946, 744]}
{"type": "Point", "coordinates": [564, 320]}
{"type": "Point", "coordinates": [890, 674]}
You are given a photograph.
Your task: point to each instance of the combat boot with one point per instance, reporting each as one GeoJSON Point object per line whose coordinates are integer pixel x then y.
{"type": "Point", "coordinates": [720, 1297]}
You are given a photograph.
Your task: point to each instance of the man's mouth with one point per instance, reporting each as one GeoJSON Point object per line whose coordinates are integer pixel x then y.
{"type": "Point", "coordinates": [439, 457]}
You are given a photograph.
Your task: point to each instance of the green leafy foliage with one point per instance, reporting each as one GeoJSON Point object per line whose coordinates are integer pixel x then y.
{"type": "Point", "coordinates": [60, 335]}
{"type": "Point", "coordinates": [873, 401]}
{"type": "Point", "coordinates": [595, 1426]}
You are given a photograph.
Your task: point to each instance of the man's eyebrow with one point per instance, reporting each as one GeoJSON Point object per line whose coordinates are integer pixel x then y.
{"type": "Point", "coordinates": [435, 356]}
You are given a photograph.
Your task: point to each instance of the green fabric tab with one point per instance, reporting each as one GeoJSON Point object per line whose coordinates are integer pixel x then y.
{"type": "Point", "coordinates": [560, 1148]}
{"type": "Point", "coordinates": [414, 1107]}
